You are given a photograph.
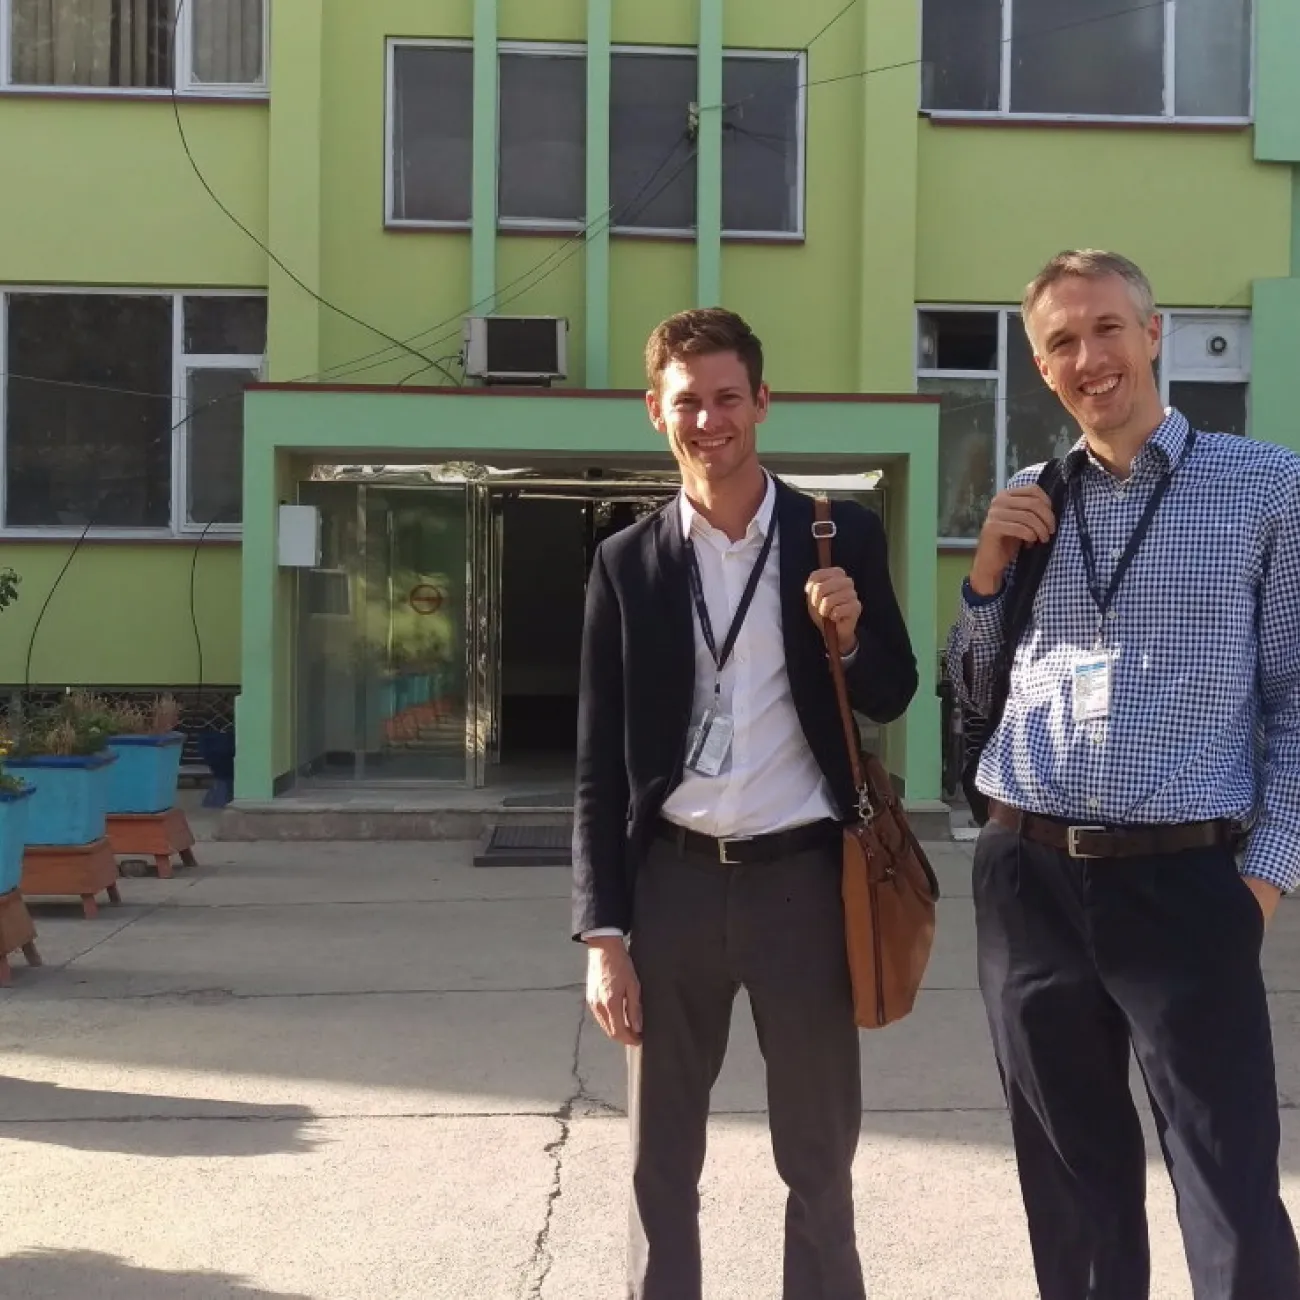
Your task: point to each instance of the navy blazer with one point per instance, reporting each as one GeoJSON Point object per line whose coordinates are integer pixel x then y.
{"type": "Point", "coordinates": [638, 681]}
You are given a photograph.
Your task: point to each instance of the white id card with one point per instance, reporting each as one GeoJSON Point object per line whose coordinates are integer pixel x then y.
{"type": "Point", "coordinates": [1092, 688]}
{"type": "Point", "coordinates": [710, 744]}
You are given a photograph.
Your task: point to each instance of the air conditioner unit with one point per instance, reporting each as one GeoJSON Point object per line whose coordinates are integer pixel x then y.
{"type": "Point", "coordinates": [516, 349]}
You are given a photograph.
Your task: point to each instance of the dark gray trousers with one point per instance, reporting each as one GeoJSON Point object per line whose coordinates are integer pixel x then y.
{"type": "Point", "coordinates": [700, 931]}
{"type": "Point", "coordinates": [1082, 964]}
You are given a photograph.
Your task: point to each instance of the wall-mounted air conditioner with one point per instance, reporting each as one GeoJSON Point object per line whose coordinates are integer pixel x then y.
{"type": "Point", "coordinates": [516, 349]}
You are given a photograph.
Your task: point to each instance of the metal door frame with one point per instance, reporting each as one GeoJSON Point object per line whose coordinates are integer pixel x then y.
{"type": "Point", "coordinates": [485, 493]}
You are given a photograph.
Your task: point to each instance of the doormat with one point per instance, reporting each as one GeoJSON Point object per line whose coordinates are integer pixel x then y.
{"type": "Point", "coordinates": [557, 799]}
{"type": "Point", "coordinates": [527, 846]}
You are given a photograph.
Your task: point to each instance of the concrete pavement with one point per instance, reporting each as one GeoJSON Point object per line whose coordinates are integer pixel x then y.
{"type": "Point", "coordinates": [337, 1071]}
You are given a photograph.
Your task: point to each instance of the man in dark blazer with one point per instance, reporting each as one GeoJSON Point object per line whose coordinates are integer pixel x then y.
{"type": "Point", "coordinates": [712, 779]}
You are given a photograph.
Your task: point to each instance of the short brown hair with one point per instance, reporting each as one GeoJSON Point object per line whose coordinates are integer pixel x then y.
{"type": "Point", "coordinates": [1091, 264]}
{"type": "Point", "coordinates": [698, 333]}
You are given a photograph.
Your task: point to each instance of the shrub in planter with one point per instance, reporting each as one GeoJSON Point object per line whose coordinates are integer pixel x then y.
{"type": "Point", "coordinates": [148, 748]}
{"type": "Point", "coordinates": [64, 753]}
{"type": "Point", "coordinates": [15, 796]}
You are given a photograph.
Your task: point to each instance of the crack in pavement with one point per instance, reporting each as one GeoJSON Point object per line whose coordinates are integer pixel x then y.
{"type": "Point", "coordinates": [216, 996]}
{"type": "Point", "coordinates": [537, 1269]}
{"type": "Point", "coordinates": [146, 911]}
{"type": "Point", "coordinates": [285, 1115]}
{"type": "Point", "coordinates": [290, 904]}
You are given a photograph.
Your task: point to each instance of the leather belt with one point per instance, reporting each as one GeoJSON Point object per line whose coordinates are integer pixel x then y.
{"type": "Point", "coordinates": [742, 850]}
{"type": "Point", "coordinates": [1094, 841]}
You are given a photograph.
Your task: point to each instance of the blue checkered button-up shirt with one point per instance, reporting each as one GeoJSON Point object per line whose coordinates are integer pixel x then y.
{"type": "Point", "coordinates": [1204, 640]}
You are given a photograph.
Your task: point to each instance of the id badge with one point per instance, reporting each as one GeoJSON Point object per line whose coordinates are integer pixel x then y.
{"type": "Point", "coordinates": [710, 744]}
{"type": "Point", "coordinates": [1092, 688]}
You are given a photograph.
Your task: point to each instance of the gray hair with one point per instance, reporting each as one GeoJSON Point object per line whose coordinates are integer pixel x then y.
{"type": "Point", "coordinates": [1090, 264]}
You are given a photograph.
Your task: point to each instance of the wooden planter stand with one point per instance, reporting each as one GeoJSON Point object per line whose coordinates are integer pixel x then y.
{"type": "Point", "coordinates": [82, 870]}
{"type": "Point", "coordinates": [16, 931]}
{"type": "Point", "coordinates": [153, 835]}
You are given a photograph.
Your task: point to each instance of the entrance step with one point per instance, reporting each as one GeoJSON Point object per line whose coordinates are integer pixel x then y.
{"type": "Point", "coordinates": [381, 818]}
{"type": "Point", "coordinates": [449, 816]}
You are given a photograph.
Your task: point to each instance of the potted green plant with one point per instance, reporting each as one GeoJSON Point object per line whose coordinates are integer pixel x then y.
{"type": "Point", "coordinates": [15, 795]}
{"type": "Point", "coordinates": [148, 746]}
{"type": "Point", "coordinates": [64, 753]}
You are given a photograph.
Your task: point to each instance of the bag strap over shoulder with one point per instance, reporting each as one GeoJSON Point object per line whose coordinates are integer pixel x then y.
{"type": "Point", "coordinates": [823, 530]}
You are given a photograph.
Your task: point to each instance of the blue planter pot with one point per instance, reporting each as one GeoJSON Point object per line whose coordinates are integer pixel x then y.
{"type": "Point", "coordinates": [145, 776]}
{"type": "Point", "coordinates": [70, 804]}
{"type": "Point", "coordinates": [13, 836]}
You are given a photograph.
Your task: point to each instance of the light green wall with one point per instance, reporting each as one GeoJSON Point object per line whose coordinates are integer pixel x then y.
{"type": "Point", "coordinates": [121, 615]}
{"type": "Point", "coordinates": [294, 322]}
{"type": "Point", "coordinates": [952, 571]}
{"type": "Point", "coordinates": [794, 295]}
{"type": "Point", "coordinates": [903, 435]}
{"type": "Point", "coordinates": [99, 192]}
{"type": "Point", "coordinates": [887, 199]}
{"type": "Point", "coordinates": [1193, 209]}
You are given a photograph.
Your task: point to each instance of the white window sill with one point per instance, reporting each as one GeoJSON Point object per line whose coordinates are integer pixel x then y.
{"type": "Point", "coordinates": [411, 223]}
{"type": "Point", "coordinates": [191, 535]}
{"type": "Point", "coordinates": [948, 117]}
{"type": "Point", "coordinates": [141, 94]}
{"type": "Point", "coordinates": [516, 226]}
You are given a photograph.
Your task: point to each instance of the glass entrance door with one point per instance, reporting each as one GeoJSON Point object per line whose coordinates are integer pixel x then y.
{"type": "Point", "coordinates": [383, 687]}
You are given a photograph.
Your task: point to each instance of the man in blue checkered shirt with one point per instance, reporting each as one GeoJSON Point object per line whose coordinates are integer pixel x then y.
{"type": "Point", "coordinates": [1153, 719]}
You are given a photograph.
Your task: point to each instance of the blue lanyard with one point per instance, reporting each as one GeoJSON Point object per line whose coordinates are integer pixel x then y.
{"type": "Point", "coordinates": [1103, 599]}
{"type": "Point", "coordinates": [738, 619]}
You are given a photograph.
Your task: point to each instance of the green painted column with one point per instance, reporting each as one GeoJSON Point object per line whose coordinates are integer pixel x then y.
{"type": "Point", "coordinates": [887, 290]}
{"type": "Point", "coordinates": [1277, 87]}
{"type": "Point", "coordinates": [708, 216]}
{"type": "Point", "coordinates": [483, 238]}
{"type": "Point", "coordinates": [262, 684]}
{"type": "Point", "coordinates": [294, 193]}
{"type": "Point", "coordinates": [917, 574]}
{"type": "Point", "coordinates": [599, 217]}
{"type": "Point", "coordinates": [1275, 355]}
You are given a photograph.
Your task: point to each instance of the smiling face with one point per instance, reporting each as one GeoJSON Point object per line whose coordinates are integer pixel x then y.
{"type": "Point", "coordinates": [1095, 351]}
{"type": "Point", "coordinates": [706, 406]}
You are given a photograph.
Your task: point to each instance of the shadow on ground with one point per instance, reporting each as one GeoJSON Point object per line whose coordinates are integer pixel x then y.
{"type": "Point", "coordinates": [63, 1274]}
{"type": "Point", "coordinates": [134, 1124]}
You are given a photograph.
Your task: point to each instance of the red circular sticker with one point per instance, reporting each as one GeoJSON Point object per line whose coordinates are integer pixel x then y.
{"type": "Point", "coordinates": [425, 598]}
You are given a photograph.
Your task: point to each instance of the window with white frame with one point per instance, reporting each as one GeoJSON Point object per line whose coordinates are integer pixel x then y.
{"type": "Point", "coordinates": [542, 168]}
{"type": "Point", "coordinates": [542, 138]}
{"type": "Point", "coordinates": [997, 416]}
{"type": "Point", "coordinates": [430, 133]}
{"type": "Point", "coordinates": [125, 410]}
{"type": "Point", "coordinates": [219, 47]}
{"type": "Point", "coordinates": [1184, 59]}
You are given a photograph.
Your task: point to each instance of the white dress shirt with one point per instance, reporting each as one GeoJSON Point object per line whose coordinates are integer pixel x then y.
{"type": "Point", "coordinates": [772, 781]}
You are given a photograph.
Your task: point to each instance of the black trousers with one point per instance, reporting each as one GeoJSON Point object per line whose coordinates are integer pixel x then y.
{"type": "Point", "coordinates": [1082, 963]}
{"type": "Point", "coordinates": [700, 931]}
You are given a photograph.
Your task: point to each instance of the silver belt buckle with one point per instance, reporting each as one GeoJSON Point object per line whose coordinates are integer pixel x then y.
{"type": "Point", "coordinates": [1072, 840]}
{"type": "Point", "coordinates": [725, 845]}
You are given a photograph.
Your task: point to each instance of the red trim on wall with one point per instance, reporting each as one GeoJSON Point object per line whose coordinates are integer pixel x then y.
{"type": "Point", "coordinates": [628, 394]}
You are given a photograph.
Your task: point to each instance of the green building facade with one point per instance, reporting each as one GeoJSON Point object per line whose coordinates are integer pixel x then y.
{"type": "Point", "coordinates": [378, 557]}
